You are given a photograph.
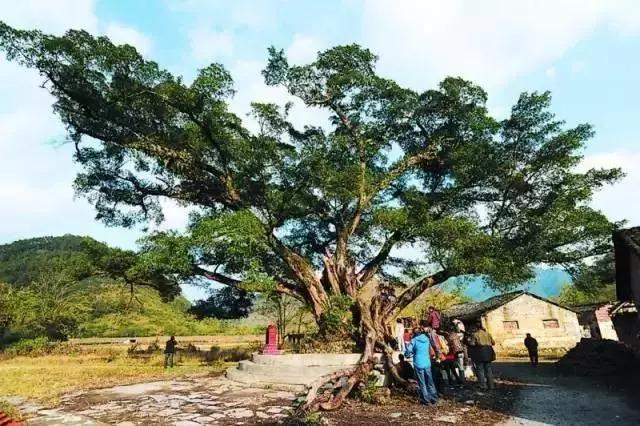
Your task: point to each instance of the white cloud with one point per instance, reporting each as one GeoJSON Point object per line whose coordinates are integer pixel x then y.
{"type": "Point", "coordinates": [491, 42]}
{"type": "Point", "coordinates": [303, 49]}
{"type": "Point", "coordinates": [251, 88]}
{"type": "Point", "coordinates": [51, 16]}
{"type": "Point", "coordinates": [36, 194]}
{"type": "Point", "coordinates": [619, 201]}
{"type": "Point", "coordinates": [210, 46]}
{"type": "Point", "coordinates": [550, 72]}
{"type": "Point", "coordinates": [122, 34]}
{"type": "Point", "coordinates": [577, 67]}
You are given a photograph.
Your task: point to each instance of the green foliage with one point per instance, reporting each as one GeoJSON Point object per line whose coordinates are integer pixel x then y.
{"type": "Point", "coordinates": [368, 390]}
{"type": "Point", "coordinates": [337, 318]}
{"type": "Point", "coordinates": [224, 303]}
{"type": "Point", "coordinates": [592, 283]}
{"type": "Point", "coordinates": [289, 314]}
{"type": "Point", "coordinates": [30, 347]}
{"type": "Point", "coordinates": [433, 169]}
{"type": "Point", "coordinates": [59, 303]}
{"type": "Point", "coordinates": [571, 295]}
{"type": "Point", "coordinates": [438, 298]}
{"type": "Point", "coordinates": [116, 313]}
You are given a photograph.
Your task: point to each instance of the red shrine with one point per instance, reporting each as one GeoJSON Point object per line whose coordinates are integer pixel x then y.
{"type": "Point", "coordinates": [271, 344]}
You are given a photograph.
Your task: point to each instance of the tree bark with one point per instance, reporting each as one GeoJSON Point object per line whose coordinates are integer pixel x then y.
{"type": "Point", "coordinates": [373, 316]}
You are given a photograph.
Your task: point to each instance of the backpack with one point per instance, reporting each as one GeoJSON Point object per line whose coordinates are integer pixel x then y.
{"type": "Point", "coordinates": [444, 346]}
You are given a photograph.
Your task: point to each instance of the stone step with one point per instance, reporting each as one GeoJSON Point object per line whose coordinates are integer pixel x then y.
{"type": "Point", "coordinates": [292, 384]}
{"type": "Point", "coordinates": [276, 371]}
{"type": "Point", "coordinates": [313, 359]}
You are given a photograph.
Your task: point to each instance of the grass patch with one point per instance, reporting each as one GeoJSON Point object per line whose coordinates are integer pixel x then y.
{"type": "Point", "coordinates": [10, 411]}
{"type": "Point", "coordinates": [46, 377]}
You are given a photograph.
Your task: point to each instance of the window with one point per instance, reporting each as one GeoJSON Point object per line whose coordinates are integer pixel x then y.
{"type": "Point", "coordinates": [510, 325]}
{"type": "Point", "coordinates": [550, 323]}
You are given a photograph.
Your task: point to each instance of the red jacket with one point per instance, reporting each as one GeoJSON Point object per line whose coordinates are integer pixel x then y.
{"type": "Point", "coordinates": [434, 319]}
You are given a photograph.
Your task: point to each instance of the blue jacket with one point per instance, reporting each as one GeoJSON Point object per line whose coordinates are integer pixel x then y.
{"type": "Point", "coordinates": [418, 349]}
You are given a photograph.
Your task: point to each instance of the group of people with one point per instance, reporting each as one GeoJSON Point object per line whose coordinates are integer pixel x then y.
{"type": "Point", "coordinates": [442, 351]}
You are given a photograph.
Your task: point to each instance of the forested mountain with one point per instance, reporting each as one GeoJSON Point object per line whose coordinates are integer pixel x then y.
{"type": "Point", "coordinates": [68, 286]}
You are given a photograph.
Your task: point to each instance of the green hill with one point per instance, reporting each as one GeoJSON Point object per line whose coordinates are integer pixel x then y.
{"type": "Point", "coordinates": [56, 287]}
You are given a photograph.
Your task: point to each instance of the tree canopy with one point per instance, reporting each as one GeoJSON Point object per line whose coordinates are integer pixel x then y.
{"type": "Point", "coordinates": [316, 212]}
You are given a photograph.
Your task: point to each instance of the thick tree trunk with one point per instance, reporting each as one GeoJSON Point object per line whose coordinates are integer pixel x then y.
{"type": "Point", "coordinates": [373, 315]}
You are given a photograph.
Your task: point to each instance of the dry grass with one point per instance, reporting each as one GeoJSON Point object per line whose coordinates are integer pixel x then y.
{"type": "Point", "coordinates": [11, 411]}
{"type": "Point", "coordinates": [46, 377]}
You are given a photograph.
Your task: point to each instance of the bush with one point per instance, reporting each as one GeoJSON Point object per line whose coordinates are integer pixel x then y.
{"type": "Point", "coordinates": [218, 354]}
{"type": "Point", "coordinates": [31, 347]}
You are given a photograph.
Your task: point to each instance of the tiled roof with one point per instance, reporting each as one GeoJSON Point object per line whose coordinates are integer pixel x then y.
{"type": "Point", "coordinates": [470, 311]}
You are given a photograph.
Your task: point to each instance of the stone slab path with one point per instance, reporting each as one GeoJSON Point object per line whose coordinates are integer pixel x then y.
{"type": "Point", "coordinates": [184, 402]}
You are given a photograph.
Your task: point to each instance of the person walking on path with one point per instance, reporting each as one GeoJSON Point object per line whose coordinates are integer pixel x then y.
{"type": "Point", "coordinates": [169, 352]}
{"type": "Point", "coordinates": [483, 355]}
{"type": "Point", "coordinates": [419, 349]}
{"type": "Point", "coordinates": [532, 347]}
{"type": "Point", "coordinates": [399, 334]}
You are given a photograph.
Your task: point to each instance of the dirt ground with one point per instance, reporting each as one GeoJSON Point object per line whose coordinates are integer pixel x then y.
{"type": "Point", "coordinates": [548, 397]}
{"type": "Point", "coordinates": [525, 396]}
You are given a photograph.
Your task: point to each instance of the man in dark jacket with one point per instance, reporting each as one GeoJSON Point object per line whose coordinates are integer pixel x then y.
{"type": "Point", "coordinates": [483, 355]}
{"type": "Point", "coordinates": [169, 352]}
{"type": "Point", "coordinates": [532, 347]}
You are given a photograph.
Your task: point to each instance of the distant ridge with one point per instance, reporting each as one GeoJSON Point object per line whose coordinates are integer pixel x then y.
{"type": "Point", "coordinates": [547, 284]}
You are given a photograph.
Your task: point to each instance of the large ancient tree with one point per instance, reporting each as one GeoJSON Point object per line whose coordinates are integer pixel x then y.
{"type": "Point", "coordinates": [316, 213]}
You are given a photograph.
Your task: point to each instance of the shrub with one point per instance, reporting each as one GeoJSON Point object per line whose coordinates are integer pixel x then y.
{"type": "Point", "coordinates": [31, 347]}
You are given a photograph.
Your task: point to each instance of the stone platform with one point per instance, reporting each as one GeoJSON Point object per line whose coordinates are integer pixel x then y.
{"type": "Point", "coordinates": [294, 372]}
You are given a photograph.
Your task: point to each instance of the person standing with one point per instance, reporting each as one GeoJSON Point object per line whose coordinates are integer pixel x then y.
{"type": "Point", "coordinates": [169, 352]}
{"type": "Point", "coordinates": [419, 349]}
{"type": "Point", "coordinates": [437, 355]}
{"type": "Point", "coordinates": [483, 355]}
{"type": "Point", "coordinates": [434, 318]}
{"type": "Point", "coordinates": [457, 350]}
{"type": "Point", "coordinates": [399, 334]}
{"type": "Point", "coordinates": [532, 347]}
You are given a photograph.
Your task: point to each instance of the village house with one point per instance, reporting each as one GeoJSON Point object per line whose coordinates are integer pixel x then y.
{"type": "Point", "coordinates": [509, 317]}
{"type": "Point", "coordinates": [627, 251]}
{"type": "Point", "coordinates": [606, 320]}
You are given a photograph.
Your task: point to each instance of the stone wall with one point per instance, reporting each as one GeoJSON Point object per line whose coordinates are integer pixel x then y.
{"type": "Point", "coordinates": [530, 313]}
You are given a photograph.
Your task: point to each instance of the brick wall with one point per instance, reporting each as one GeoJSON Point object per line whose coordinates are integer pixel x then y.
{"type": "Point", "coordinates": [530, 314]}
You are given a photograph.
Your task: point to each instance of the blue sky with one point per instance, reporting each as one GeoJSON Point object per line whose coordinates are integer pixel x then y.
{"type": "Point", "coordinates": [584, 51]}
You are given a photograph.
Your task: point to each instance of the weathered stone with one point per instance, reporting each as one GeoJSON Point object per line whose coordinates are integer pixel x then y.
{"type": "Point", "coordinates": [238, 413]}
{"type": "Point", "coordinates": [185, 423]}
{"type": "Point", "coordinates": [395, 415]}
{"type": "Point", "coordinates": [445, 419]}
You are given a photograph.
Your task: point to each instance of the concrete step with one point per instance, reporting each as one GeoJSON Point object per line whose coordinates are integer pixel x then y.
{"type": "Point", "coordinates": [291, 384]}
{"type": "Point", "coordinates": [276, 371]}
{"type": "Point", "coordinates": [313, 359]}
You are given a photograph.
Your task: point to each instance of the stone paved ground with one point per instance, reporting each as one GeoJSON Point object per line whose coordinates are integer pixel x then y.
{"type": "Point", "coordinates": [183, 402]}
